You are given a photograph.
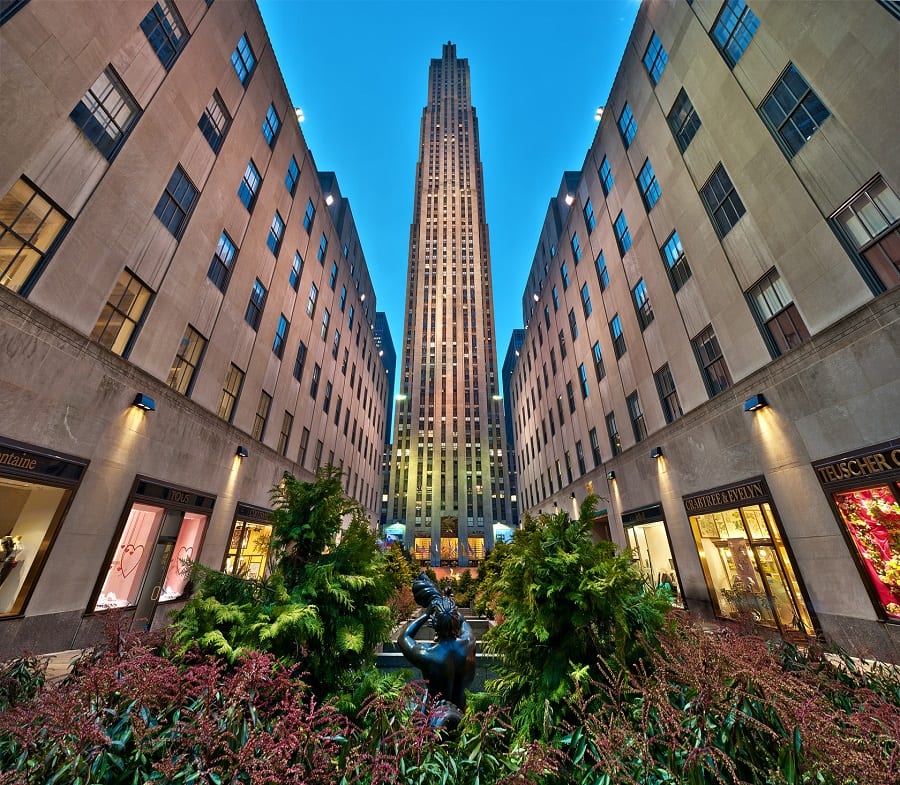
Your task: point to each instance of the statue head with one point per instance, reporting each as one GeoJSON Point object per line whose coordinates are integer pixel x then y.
{"type": "Point", "coordinates": [444, 618]}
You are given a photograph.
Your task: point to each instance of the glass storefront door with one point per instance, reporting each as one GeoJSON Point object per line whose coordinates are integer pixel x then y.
{"type": "Point", "coordinates": [650, 550]}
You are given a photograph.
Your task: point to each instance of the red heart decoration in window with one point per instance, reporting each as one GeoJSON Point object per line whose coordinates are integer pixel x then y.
{"type": "Point", "coordinates": [131, 558]}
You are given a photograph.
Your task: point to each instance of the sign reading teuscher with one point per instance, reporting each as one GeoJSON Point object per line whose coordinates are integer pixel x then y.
{"type": "Point", "coordinates": [865, 464]}
{"type": "Point", "coordinates": [753, 490]}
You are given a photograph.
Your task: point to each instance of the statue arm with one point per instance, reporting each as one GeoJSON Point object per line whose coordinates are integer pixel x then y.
{"type": "Point", "coordinates": [407, 641]}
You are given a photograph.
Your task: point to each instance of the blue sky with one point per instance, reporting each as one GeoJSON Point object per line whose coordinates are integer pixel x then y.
{"type": "Point", "coordinates": [539, 71]}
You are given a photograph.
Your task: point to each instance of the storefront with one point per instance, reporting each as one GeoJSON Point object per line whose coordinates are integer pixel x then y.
{"type": "Point", "coordinates": [648, 539]}
{"type": "Point", "coordinates": [161, 531]}
{"type": "Point", "coordinates": [248, 549]}
{"type": "Point", "coordinates": [864, 491]}
{"type": "Point", "coordinates": [746, 561]}
{"type": "Point", "coordinates": [36, 489]}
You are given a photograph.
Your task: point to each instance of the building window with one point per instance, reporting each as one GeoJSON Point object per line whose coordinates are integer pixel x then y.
{"type": "Point", "coordinates": [323, 249]}
{"type": "Point", "coordinates": [300, 362]}
{"type": "Point", "coordinates": [187, 360]}
{"type": "Point", "coordinates": [582, 376]}
{"type": "Point", "coordinates": [271, 125]}
{"type": "Point", "coordinates": [579, 455]}
{"type": "Point", "coordinates": [590, 220]}
{"type": "Point", "coordinates": [262, 416]}
{"type": "Point", "coordinates": [595, 447]}
{"type": "Point", "coordinates": [623, 236]}
{"type": "Point", "coordinates": [248, 552]}
{"type": "Point", "coordinates": [627, 126]}
{"type": "Point", "coordinates": [676, 262]}
{"type": "Point", "coordinates": [311, 302]}
{"type": "Point", "coordinates": [214, 122]}
{"type": "Point", "coordinates": [793, 110]}
{"type": "Point", "coordinates": [304, 443]}
{"type": "Point", "coordinates": [177, 201]}
{"type": "Point", "coordinates": [326, 318]}
{"type": "Point", "coordinates": [570, 392]}
{"type": "Point", "coordinates": [249, 186]}
{"type": "Point", "coordinates": [165, 32]}
{"type": "Point", "coordinates": [281, 333]}
{"type": "Point", "coordinates": [106, 114]}
{"type": "Point", "coordinates": [871, 221]}
{"type": "Point", "coordinates": [554, 294]}
{"type": "Point", "coordinates": [121, 317]}
{"type": "Point", "coordinates": [287, 423]}
{"type": "Point", "coordinates": [243, 60]}
{"type": "Point", "coordinates": [655, 59]}
{"type": "Point", "coordinates": [774, 308]}
{"type": "Point", "coordinates": [309, 216]}
{"type": "Point", "coordinates": [276, 232]}
{"type": "Point", "coordinates": [296, 271]}
{"type": "Point", "coordinates": [326, 400]}
{"type": "Point", "coordinates": [30, 228]}
{"type": "Point", "coordinates": [602, 272]}
{"type": "Point", "coordinates": [722, 201]}
{"type": "Point", "coordinates": [564, 274]}
{"type": "Point", "coordinates": [586, 300]}
{"type": "Point", "coordinates": [734, 29]}
{"type": "Point", "coordinates": [668, 395]}
{"type": "Point", "coordinates": [292, 176]}
{"type": "Point", "coordinates": [576, 249]}
{"type": "Point", "coordinates": [318, 454]}
{"type": "Point", "coordinates": [255, 306]}
{"type": "Point", "coordinates": [712, 363]}
{"type": "Point", "coordinates": [606, 176]}
{"type": "Point", "coordinates": [637, 417]}
{"type": "Point", "coordinates": [350, 316]}
{"type": "Point", "coordinates": [332, 279]}
{"type": "Point", "coordinates": [683, 120]}
{"type": "Point", "coordinates": [562, 345]}
{"type": "Point", "coordinates": [231, 391]}
{"type": "Point", "coordinates": [642, 304]}
{"type": "Point", "coordinates": [649, 185]}
{"type": "Point", "coordinates": [336, 344]}
{"type": "Point", "coordinates": [599, 368]}
{"type": "Point", "coordinates": [314, 381]}
{"type": "Point", "coordinates": [615, 443]}
{"type": "Point", "coordinates": [615, 331]}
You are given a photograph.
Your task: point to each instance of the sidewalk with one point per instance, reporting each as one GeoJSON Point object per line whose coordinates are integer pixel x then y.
{"type": "Point", "coordinates": [59, 663]}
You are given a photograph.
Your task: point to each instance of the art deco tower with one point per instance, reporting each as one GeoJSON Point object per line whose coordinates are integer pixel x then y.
{"type": "Point", "coordinates": [448, 487]}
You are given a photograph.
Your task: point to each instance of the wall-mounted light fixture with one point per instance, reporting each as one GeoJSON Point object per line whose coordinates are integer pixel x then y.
{"type": "Point", "coordinates": [657, 452]}
{"type": "Point", "coordinates": [755, 402]}
{"type": "Point", "coordinates": [572, 497]}
{"type": "Point", "coordinates": [329, 200]}
{"type": "Point", "coordinates": [610, 476]}
{"type": "Point", "coordinates": [536, 298]}
{"type": "Point", "coordinates": [242, 452]}
{"type": "Point", "coordinates": [144, 402]}
{"type": "Point", "coordinates": [570, 199]}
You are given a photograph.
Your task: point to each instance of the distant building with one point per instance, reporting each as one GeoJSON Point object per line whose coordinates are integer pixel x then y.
{"type": "Point", "coordinates": [712, 331]}
{"type": "Point", "coordinates": [516, 341]}
{"type": "Point", "coordinates": [185, 311]}
{"type": "Point", "coordinates": [385, 345]}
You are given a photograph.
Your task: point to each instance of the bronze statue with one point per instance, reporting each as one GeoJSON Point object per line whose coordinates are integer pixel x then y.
{"type": "Point", "coordinates": [448, 662]}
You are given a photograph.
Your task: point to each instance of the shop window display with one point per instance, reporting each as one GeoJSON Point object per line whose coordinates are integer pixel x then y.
{"type": "Point", "coordinates": [422, 549]}
{"type": "Point", "coordinates": [651, 553]}
{"type": "Point", "coordinates": [248, 552]}
{"type": "Point", "coordinates": [872, 517]}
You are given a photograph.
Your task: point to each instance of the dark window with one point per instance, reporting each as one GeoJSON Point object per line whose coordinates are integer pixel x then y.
{"type": "Point", "coordinates": [774, 309]}
{"type": "Point", "coordinates": [106, 113]}
{"type": "Point", "coordinates": [676, 262]}
{"type": "Point", "coordinates": [668, 395]}
{"type": "Point", "coordinates": [187, 359]}
{"type": "Point", "coordinates": [276, 232]}
{"type": "Point", "coordinates": [350, 315]}
{"type": "Point", "coordinates": [547, 316]}
{"type": "Point", "coordinates": [564, 274]}
{"type": "Point", "coordinates": [326, 398]}
{"type": "Point", "coordinates": [314, 381]}
{"type": "Point", "coordinates": [243, 60]}
{"type": "Point", "coordinates": [554, 293]}
{"type": "Point", "coordinates": [637, 417]}
{"type": "Point", "coordinates": [8, 9]}
{"type": "Point", "coordinates": [576, 249]}
{"type": "Point", "coordinates": [342, 302]}
{"type": "Point", "coordinates": [642, 304]}
{"type": "Point", "coordinates": [595, 447]}
{"type": "Point", "coordinates": [326, 318]}
{"type": "Point", "coordinates": [722, 201]}
{"type": "Point", "coordinates": [231, 391]}
{"type": "Point", "coordinates": [623, 236]}
{"type": "Point", "coordinates": [573, 324]}
{"type": "Point", "coordinates": [562, 345]}
{"type": "Point", "coordinates": [175, 205]}
{"type": "Point", "coordinates": [249, 186]}
{"type": "Point", "coordinates": [121, 317]}
{"type": "Point", "coordinates": [599, 367]}
{"type": "Point", "coordinates": [733, 30]}
{"type": "Point", "coordinates": [281, 333]}
{"type": "Point", "coordinates": [712, 363]}
{"type": "Point", "coordinates": [222, 262]}
{"type": "Point", "coordinates": [332, 279]}
{"type": "Point", "coordinates": [304, 443]}
{"type": "Point", "coordinates": [165, 32]}
{"type": "Point", "coordinates": [271, 125]}
{"type": "Point", "coordinates": [336, 344]}
{"type": "Point", "coordinates": [323, 249]}
{"type": "Point", "coordinates": [612, 430]}
{"type": "Point", "coordinates": [292, 176]}
{"type": "Point", "coordinates": [655, 59]}
{"type": "Point", "coordinates": [300, 362]}
{"type": "Point", "coordinates": [256, 304]}
{"type": "Point", "coordinates": [606, 176]}
{"type": "Point", "coordinates": [683, 120]}
{"type": "Point", "coordinates": [582, 377]}
{"type": "Point", "coordinates": [586, 300]}
{"type": "Point", "coordinates": [579, 454]}
{"type": "Point", "coordinates": [615, 331]}
{"type": "Point", "coordinates": [649, 185]}
{"type": "Point", "coordinates": [262, 415]}
{"type": "Point", "coordinates": [793, 110]}
{"type": "Point", "coordinates": [214, 122]}
{"type": "Point", "coordinates": [590, 219]}
{"type": "Point", "coordinates": [570, 392]}
{"type": "Point", "coordinates": [602, 272]}
{"type": "Point", "coordinates": [311, 302]}
{"type": "Point", "coordinates": [627, 125]}
{"type": "Point", "coordinates": [286, 425]}
{"type": "Point", "coordinates": [309, 216]}
{"type": "Point", "coordinates": [296, 271]}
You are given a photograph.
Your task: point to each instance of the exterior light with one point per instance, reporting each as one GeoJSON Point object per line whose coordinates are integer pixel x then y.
{"type": "Point", "coordinates": [242, 452]}
{"type": "Point", "coordinates": [144, 402]}
{"type": "Point", "coordinates": [570, 199]}
{"type": "Point", "coordinates": [598, 115]}
{"type": "Point", "coordinates": [329, 200]}
{"type": "Point", "coordinates": [381, 352]}
{"type": "Point", "coordinates": [298, 113]}
{"type": "Point", "coordinates": [401, 397]}
{"type": "Point", "coordinates": [497, 397]}
{"type": "Point", "coordinates": [610, 476]}
{"type": "Point", "coordinates": [536, 298]}
{"type": "Point", "coordinates": [758, 401]}
{"type": "Point", "coordinates": [657, 452]}
{"type": "Point", "coordinates": [362, 298]}
{"type": "Point", "coordinates": [572, 497]}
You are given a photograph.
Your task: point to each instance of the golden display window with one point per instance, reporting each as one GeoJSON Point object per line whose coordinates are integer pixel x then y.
{"type": "Point", "coordinates": [422, 549]}
{"type": "Point", "coordinates": [651, 551]}
{"type": "Point", "coordinates": [248, 554]}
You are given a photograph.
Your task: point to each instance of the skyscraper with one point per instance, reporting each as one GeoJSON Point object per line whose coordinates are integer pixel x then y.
{"type": "Point", "coordinates": [448, 486]}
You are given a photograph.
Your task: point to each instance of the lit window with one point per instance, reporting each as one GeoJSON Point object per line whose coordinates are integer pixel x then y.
{"type": "Point", "coordinates": [618, 339]}
{"type": "Point", "coordinates": [214, 122]}
{"type": "Point", "coordinates": [606, 176]}
{"type": "Point", "coordinates": [642, 304]}
{"type": "Point", "coordinates": [774, 308]}
{"type": "Point", "coordinates": [296, 271]}
{"type": "Point", "coordinates": [121, 317]}
{"type": "Point", "coordinates": [623, 236]}
{"type": "Point", "coordinates": [175, 205]}
{"type": "Point", "coordinates": [276, 232]}
{"type": "Point", "coordinates": [281, 333]}
{"type": "Point", "coordinates": [165, 32]}
{"type": "Point", "coordinates": [722, 201]}
{"type": "Point", "coordinates": [627, 125]}
{"type": "Point", "coordinates": [793, 110]}
{"type": "Point", "coordinates": [243, 60]}
{"type": "Point", "coordinates": [650, 191]}
{"type": "Point", "coordinates": [655, 58]}
{"type": "Point", "coordinates": [668, 396]}
{"type": "Point", "coordinates": [106, 114]}
{"type": "Point", "coordinates": [262, 415]}
{"type": "Point", "coordinates": [270, 126]}
{"type": "Point", "coordinates": [683, 120]}
{"type": "Point", "coordinates": [676, 262]}
{"type": "Point", "coordinates": [187, 359]}
{"type": "Point", "coordinates": [222, 262]}
{"type": "Point", "coordinates": [734, 29]}
{"type": "Point", "coordinates": [231, 391]}
{"type": "Point", "coordinates": [292, 176]}
{"type": "Point", "coordinates": [249, 186]}
{"type": "Point", "coordinates": [712, 363]}
{"type": "Point", "coordinates": [255, 306]}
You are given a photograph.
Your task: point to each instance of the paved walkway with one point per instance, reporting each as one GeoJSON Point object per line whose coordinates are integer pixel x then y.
{"type": "Point", "coordinates": [59, 663]}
